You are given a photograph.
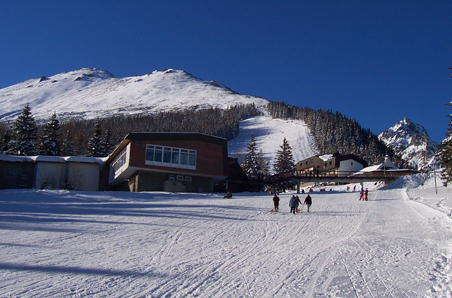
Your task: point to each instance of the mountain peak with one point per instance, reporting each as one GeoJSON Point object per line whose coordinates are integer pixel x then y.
{"type": "Point", "coordinates": [410, 141]}
{"type": "Point", "coordinates": [88, 93]}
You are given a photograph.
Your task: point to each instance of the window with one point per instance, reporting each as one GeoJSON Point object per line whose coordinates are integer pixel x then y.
{"type": "Point", "coordinates": [170, 157]}
{"type": "Point", "coordinates": [166, 155]}
{"type": "Point", "coordinates": [119, 164]}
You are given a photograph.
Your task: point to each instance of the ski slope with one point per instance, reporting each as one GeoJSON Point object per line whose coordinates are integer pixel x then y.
{"type": "Point", "coordinates": [269, 134]}
{"type": "Point", "coordinates": [119, 244]}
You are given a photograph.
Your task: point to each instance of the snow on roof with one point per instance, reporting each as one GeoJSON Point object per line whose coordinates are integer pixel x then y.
{"type": "Point", "coordinates": [370, 169]}
{"type": "Point", "coordinates": [44, 158]}
{"type": "Point", "coordinates": [11, 158]}
{"type": "Point", "coordinates": [326, 157]}
{"type": "Point", "coordinates": [61, 159]}
{"type": "Point", "coordinates": [99, 160]}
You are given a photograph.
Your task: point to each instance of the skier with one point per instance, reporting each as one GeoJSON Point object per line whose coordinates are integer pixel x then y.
{"type": "Point", "coordinates": [366, 193]}
{"type": "Point", "coordinates": [308, 201]}
{"type": "Point", "coordinates": [293, 204]}
{"type": "Point", "coordinates": [276, 202]}
{"type": "Point", "coordinates": [361, 194]}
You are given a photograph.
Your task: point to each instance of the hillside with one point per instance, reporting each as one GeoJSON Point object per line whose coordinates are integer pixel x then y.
{"type": "Point", "coordinates": [90, 93]}
{"type": "Point", "coordinates": [269, 134]}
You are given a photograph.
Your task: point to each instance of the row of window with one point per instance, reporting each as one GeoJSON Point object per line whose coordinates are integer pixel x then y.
{"type": "Point", "coordinates": [118, 163]}
{"type": "Point", "coordinates": [170, 156]}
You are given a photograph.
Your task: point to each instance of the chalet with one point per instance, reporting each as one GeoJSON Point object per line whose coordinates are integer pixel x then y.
{"type": "Point", "coordinates": [176, 162]}
{"type": "Point", "coordinates": [333, 164]}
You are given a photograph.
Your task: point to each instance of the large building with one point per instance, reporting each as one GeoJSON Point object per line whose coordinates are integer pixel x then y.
{"type": "Point", "coordinates": [332, 164]}
{"type": "Point", "coordinates": [177, 162]}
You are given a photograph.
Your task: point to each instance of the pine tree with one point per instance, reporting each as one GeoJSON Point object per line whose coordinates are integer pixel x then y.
{"type": "Point", "coordinates": [67, 146]}
{"type": "Point", "coordinates": [107, 145]}
{"type": "Point", "coordinates": [49, 141]}
{"type": "Point", "coordinates": [445, 154]}
{"type": "Point", "coordinates": [94, 143]}
{"type": "Point", "coordinates": [284, 159]}
{"type": "Point", "coordinates": [263, 163]}
{"type": "Point", "coordinates": [24, 134]}
{"type": "Point", "coordinates": [251, 164]}
{"type": "Point", "coordinates": [5, 146]}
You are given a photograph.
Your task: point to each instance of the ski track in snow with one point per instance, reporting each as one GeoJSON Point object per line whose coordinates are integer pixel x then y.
{"type": "Point", "coordinates": [114, 244]}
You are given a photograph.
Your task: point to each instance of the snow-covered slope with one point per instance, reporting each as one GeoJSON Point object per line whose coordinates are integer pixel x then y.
{"type": "Point", "coordinates": [92, 92]}
{"type": "Point", "coordinates": [269, 134]}
{"type": "Point", "coordinates": [410, 141]}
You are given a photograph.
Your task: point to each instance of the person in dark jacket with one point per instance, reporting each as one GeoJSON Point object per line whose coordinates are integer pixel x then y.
{"type": "Point", "coordinates": [276, 202]}
{"type": "Point", "coordinates": [228, 195]}
{"type": "Point", "coordinates": [293, 204]}
{"type": "Point", "coordinates": [308, 201]}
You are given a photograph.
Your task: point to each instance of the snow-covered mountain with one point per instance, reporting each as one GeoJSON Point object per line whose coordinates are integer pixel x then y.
{"type": "Point", "coordinates": [91, 92]}
{"type": "Point", "coordinates": [410, 141]}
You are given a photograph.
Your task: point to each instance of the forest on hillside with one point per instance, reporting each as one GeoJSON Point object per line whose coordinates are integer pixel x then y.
{"type": "Point", "coordinates": [333, 132]}
{"type": "Point", "coordinates": [99, 137]}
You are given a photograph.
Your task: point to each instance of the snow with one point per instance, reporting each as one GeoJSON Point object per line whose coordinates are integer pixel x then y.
{"type": "Point", "coordinates": [270, 134]}
{"type": "Point", "coordinates": [326, 157]}
{"type": "Point", "coordinates": [119, 244]}
{"type": "Point", "coordinates": [90, 93]}
{"type": "Point", "coordinates": [56, 159]}
{"type": "Point", "coordinates": [411, 142]}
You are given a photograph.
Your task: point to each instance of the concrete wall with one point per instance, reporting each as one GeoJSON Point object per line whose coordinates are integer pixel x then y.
{"type": "Point", "coordinates": [83, 176]}
{"type": "Point", "coordinates": [50, 175]}
{"type": "Point", "coordinates": [156, 181]}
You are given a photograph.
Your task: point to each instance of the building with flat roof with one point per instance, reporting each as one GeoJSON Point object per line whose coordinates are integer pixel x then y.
{"type": "Point", "coordinates": [176, 162]}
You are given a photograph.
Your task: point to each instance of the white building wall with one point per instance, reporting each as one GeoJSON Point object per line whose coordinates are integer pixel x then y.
{"type": "Point", "coordinates": [350, 165]}
{"type": "Point", "coordinates": [83, 176]}
{"type": "Point", "coordinates": [49, 175]}
{"type": "Point", "coordinates": [70, 175]}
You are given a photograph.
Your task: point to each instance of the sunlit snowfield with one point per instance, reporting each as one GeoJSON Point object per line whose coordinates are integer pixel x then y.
{"type": "Point", "coordinates": [119, 244]}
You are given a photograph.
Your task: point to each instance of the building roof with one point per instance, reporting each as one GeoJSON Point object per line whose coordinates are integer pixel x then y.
{"type": "Point", "coordinates": [55, 159]}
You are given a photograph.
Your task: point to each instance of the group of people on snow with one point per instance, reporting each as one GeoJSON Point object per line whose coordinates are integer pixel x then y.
{"type": "Point", "coordinates": [293, 203]}
{"type": "Point", "coordinates": [363, 195]}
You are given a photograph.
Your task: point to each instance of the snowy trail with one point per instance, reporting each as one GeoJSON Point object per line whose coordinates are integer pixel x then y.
{"type": "Point", "coordinates": [76, 244]}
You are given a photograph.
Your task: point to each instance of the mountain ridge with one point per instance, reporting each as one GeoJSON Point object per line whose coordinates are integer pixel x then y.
{"type": "Point", "coordinates": [88, 93]}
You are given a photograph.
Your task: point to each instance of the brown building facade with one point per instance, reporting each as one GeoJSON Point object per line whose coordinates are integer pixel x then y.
{"type": "Point", "coordinates": [177, 162]}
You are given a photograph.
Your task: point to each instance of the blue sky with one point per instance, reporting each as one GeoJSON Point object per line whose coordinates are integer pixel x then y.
{"type": "Point", "coordinates": [374, 61]}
